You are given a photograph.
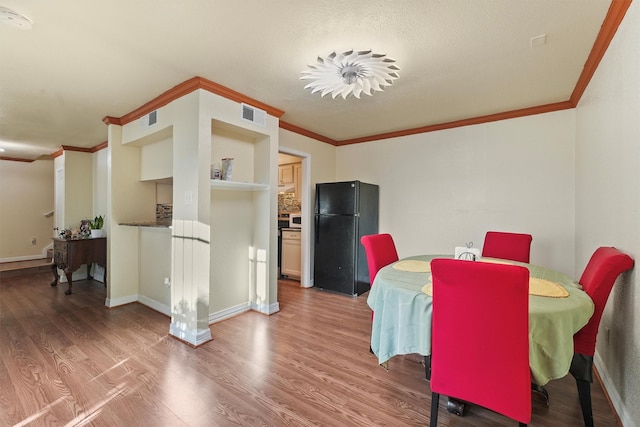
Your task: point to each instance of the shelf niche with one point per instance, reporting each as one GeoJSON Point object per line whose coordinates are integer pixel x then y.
{"type": "Point", "coordinates": [240, 217]}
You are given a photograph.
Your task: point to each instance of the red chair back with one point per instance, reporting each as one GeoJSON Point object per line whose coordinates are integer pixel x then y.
{"type": "Point", "coordinates": [380, 250]}
{"type": "Point", "coordinates": [601, 272]}
{"type": "Point", "coordinates": [480, 335]}
{"type": "Point", "coordinates": [512, 246]}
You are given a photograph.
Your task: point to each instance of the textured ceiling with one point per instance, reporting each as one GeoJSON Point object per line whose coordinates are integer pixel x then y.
{"type": "Point", "coordinates": [458, 59]}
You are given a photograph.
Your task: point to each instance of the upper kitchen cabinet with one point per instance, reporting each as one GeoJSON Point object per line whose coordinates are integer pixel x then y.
{"type": "Point", "coordinates": [285, 174]}
{"type": "Point", "coordinates": [290, 179]}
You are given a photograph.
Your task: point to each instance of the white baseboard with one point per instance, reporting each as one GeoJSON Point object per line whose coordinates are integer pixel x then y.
{"type": "Point", "coordinates": [201, 336]}
{"type": "Point", "coordinates": [610, 389]}
{"type": "Point", "coordinates": [228, 312]}
{"type": "Point", "coordinates": [213, 317]}
{"type": "Point", "coordinates": [114, 302]}
{"type": "Point", "coordinates": [24, 258]}
{"type": "Point", "coordinates": [151, 303]}
{"type": "Point", "coordinates": [243, 308]}
{"type": "Point", "coordinates": [155, 305]}
{"type": "Point", "coordinates": [266, 309]}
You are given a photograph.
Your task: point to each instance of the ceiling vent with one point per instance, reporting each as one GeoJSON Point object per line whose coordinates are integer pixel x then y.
{"type": "Point", "coordinates": [253, 115]}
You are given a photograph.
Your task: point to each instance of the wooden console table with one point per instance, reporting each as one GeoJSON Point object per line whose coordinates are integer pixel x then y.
{"type": "Point", "coordinates": [71, 254]}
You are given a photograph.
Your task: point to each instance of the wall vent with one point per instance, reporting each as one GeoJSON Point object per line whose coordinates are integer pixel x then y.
{"type": "Point", "coordinates": [253, 115]}
{"type": "Point", "coordinates": [150, 119]}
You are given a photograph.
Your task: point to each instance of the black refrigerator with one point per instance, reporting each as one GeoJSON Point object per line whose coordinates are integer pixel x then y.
{"type": "Point", "coordinates": [344, 212]}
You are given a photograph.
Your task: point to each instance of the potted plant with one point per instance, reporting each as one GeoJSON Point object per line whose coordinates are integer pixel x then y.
{"type": "Point", "coordinates": [96, 226]}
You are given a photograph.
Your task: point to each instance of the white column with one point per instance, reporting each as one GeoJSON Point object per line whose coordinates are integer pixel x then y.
{"type": "Point", "coordinates": [190, 286]}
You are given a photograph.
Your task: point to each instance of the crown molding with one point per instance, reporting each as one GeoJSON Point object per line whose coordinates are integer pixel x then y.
{"type": "Point", "coordinates": [93, 149]}
{"type": "Point", "coordinates": [540, 109]}
{"type": "Point", "coordinates": [615, 15]}
{"type": "Point", "coordinates": [16, 159]}
{"type": "Point", "coordinates": [297, 129]}
{"type": "Point", "coordinates": [100, 146]}
{"type": "Point", "coordinates": [183, 89]}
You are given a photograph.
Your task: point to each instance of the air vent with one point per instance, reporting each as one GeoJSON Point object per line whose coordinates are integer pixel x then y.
{"type": "Point", "coordinates": [253, 115]}
{"type": "Point", "coordinates": [150, 119]}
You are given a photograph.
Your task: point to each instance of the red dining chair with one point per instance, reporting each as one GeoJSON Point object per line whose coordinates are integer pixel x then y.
{"type": "Point", "coordinates": [380, 250]}
{"type": "Point", "coordinates": [601, 272]}
{"type": "Point", "coordinates": [511, 246]}
{"type": "Point", "coordinates": [480, 336]}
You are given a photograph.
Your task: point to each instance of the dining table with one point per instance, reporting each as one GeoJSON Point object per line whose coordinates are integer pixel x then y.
{"type": "Point", "coordinates": [402, 306]}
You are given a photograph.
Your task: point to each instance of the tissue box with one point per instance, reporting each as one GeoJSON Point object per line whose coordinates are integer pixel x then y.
{"type": "Point", "coordinates": [471, 254]}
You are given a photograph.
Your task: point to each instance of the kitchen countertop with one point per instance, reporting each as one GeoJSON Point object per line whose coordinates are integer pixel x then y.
{"type": "Point", "coordinates": [161, 224]}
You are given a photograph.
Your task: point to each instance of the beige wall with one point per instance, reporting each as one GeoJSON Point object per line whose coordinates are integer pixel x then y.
{"type": "Point", "coordinates": [443, 189]}
{"type": "Point", "coordinates": [78, 188]}
{"type": "Point", "coordinates": [26, 191]}
{"type": "Point", "coordinates": [100, 165]}
{"type": "Point", "coordinates": [155, 266]}
{"type": "Point", "coordinates": [608, 204]}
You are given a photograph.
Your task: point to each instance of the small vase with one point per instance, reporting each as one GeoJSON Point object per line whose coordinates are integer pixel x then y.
{"type": "Point", "coordinates": [96, 233]}
{"type": "Point", "coordinates": [227, 168]}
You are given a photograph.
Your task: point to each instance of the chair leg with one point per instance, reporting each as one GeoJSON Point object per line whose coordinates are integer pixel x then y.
{"type": "Point", "coordinates": [427, 367]}
{"type": "Point", "coordinates": [435, 399]}
{"type": "Point", "coordinates": [582, 370]}
{"type": "Point", "coordinates": [584, 393]}
{"type": "Point", "coordinates": [541, 391]}
{"type": "Point", "coordinates": [455, 407]}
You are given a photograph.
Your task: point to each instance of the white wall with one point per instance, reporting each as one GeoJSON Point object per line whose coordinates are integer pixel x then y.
{"type": "Point", "coordinates": [608, 204]}
{"type": "Point", "coordinates": [443, 189]}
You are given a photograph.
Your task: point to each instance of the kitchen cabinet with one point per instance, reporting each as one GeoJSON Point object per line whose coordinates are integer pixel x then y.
{"type": "Point", "coordinates": [291, 252]}
{"type": "Point", "coordinates": [285, 174]}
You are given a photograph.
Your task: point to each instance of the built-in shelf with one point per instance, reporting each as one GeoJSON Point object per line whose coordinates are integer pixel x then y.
{"type": "Point", "coordinates": [218, 184]}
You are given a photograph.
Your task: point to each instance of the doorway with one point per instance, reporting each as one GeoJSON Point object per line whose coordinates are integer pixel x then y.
{"type": "Point", "coordinates": [294, 197]}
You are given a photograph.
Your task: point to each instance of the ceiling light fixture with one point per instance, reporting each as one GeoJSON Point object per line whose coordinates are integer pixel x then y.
{"type": "Point", "coordinates": [13, 18]}
{"type": "Point", "coordinates": [352, 72]}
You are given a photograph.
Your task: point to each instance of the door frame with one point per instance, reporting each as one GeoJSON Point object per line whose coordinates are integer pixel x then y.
{"type": "Point", "coordinates": [306, 278]}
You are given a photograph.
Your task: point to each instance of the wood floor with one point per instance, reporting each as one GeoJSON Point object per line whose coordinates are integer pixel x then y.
{"type": "Point", "coordinates": [68, 360]}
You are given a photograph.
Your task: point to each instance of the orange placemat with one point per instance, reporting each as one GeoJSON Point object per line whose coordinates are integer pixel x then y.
{"type": "Point", "coordinates": [539, 287]}
{"type": "Point", "coordinates": [495, 261]}
{"type": "Point", "coordinates": [428, 289]}
{"type": "Point", "coordinates": [413, 265]}
{"type": "Point", "coordinates": [546, 288]}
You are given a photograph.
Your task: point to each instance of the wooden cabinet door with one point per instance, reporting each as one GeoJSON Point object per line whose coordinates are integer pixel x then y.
{"type": "Point", "coordinates": [285, 174]}
{"type": "Point", "coordinates": [291, 252]}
